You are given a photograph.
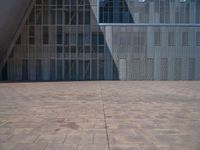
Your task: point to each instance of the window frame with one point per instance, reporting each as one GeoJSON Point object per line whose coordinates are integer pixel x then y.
{"type": "Point", "coordinates": [141, 24]}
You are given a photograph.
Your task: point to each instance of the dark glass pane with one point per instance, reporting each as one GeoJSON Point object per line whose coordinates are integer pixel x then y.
{"type": "Point", "coordinates": [59, 35]}
{"type": "Point", "coordinates": [114, 12]}
{"type": "Point", "coordinates": [45, 35]}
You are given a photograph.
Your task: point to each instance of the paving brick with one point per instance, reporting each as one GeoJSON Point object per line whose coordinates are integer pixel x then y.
{"type": "Point", "coordinates": [60, 146]}
{"type": "Point", "coordinates": [70, 115]}
{"type": "Point", "coordinates": [125, 147]}
{"type": "Point", "coordinates": [21, 146]}
{"type": "Point", "coordinates": [92, 147]}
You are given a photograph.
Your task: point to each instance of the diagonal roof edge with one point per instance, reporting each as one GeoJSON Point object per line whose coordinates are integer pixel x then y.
{"type": "Point", "coordinates": [13, 15]}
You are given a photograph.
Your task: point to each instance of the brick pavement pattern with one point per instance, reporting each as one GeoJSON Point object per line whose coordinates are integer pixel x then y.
{"type": "Point", "coordinates": [107, 115]}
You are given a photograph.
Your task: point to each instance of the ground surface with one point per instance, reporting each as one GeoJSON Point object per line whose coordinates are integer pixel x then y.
{"type": "Point", "coordinates": [100, 116]}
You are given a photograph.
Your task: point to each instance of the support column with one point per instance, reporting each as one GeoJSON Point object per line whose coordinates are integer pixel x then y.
{"type": "Point", "coordinates": [108, 65]}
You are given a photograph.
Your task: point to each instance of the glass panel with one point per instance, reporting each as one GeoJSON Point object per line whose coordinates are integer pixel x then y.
{"type": "Point", "coordinates": [114, 12]}
{"type": "Point", "coordinates": [45, 35]}
{"type": "Point", "coordinates": [171, 39]}
{"type": "Point", "coordinates": [185, 39]}
{"type": "Point", "coordinates": [157, 38]}
{"type": "Point", "coordinates": [38, 69]}
{"type": "Point", "coordinates": [59, 70]}
{"type": "Point", "coordinates": [59, 35]}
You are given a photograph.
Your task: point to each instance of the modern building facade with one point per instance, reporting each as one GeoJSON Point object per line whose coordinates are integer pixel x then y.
{"type": "Point", "coordinates": [106, 40]}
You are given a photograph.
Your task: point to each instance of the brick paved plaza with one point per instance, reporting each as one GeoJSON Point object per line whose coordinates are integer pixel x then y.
{"type": "Point", "coordinates": [100, 116]}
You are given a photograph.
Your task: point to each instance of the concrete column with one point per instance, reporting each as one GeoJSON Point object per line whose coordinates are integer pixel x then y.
{"type": "Point", "coordinates": [172, 12]}
{"type": "Point", "coordinates": [192, 12]}
{"type": "Point", "coordinates": [136, 17]}
{"type": "Point", "coordinates": [171, 68]}
{"type": "Point", "coordinates": [151, 12]}
{"type": "Point", "coordinates": [108, 65]}
{"type": "Point", "coordinates": [185, 69]}
{"type": "Point", "coordinates": [157, 64]}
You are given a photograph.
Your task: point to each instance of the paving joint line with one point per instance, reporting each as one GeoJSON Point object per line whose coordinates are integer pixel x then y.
{"type": "Point", "coordinates": [106, 127]}
{"type": "Point", "coordinates": [105, 121]}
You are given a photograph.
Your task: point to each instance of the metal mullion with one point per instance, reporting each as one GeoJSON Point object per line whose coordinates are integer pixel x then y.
{"type": "Point", "coordinates": [97, 59]}
{"type": "Point", "coordinates": [90, 50]}
{"type": "Point", "coordinates": [21, 50]}
{"type": "Point", "coordinates": [70, 55]}
{"type": "Point", "coordinates": [84, 56]}
{"type": "Point", "coordinates": [63, 41]}
{"type": "Point", "coordinates": [83, 50]}
{"type": "Point", "coordinates": [35, 42]}
{"type": "Point", "coordinates": [56, 30]}
{"type": "Point", "coordinates": [77, 31]}
{"type": "Point", "coordinates": [28, 58]}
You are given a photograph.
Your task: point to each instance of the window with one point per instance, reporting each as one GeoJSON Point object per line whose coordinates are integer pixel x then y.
{"type": "Point", "coordinates": [192, 70]}
{"type": "Point", "coordinates": [31, 34]}
{"type": "Point", "coordinates": [59, 69]}
{"type": "Point", "coordinates": [157, 38]}
{"type": "Point", "coordinates": [185, 39]}
{"type": "Point", "coordinates": [80, 39]}
{"type": "Point", "coordinates": [87, 49]}
{"type": "Point", "coordinates": [67, 14]}
{"type": "Point", "coordinates": [171, 39]}
{"type": "Point", "coordinates": [87, 35]}
{"type": "Point", "coordinates": [38, 69]}
{"type": "Point", "coordinates": [59, 3]}
{"type": "Point", "coordinates": [73, 49]}
{"type": "Point", "coordinates": [73, 39]}
{"type": "Point", "coordinates": [164, 69]}
{"type": "Point", "coordinates": [117, 11]}
{"type": "Point", "coordinates": [198, 39]}
{"type": "Point", "coordinates": [80, 49]}
{"type": "Point", "coordinates": [182, 14]}
{"type": "Point", "coordinates": [59, 52]}
{"type": "Point", "coordinates": [52, 69]}
{"type": "Point", "coordinates": [45, 15]}
{"type": "Point", "coordinates": [38, 15]}
{"type": "Point", "coordinates": [101, 39]}
{"type": "Point", "coordinates": [67, 2]}
{"type": "Point", "coordinates": [52, 16]}
{"type": "Point", "coordinates": [80, 16]}
{"type": "Point", "coordinates": [101, 49]}
{"type": "Point", "coordinates": [66, 49]}
{"type": "Point", "coordinates": [73, 15]}
{"type": "Point", "coordinates": [197, 12]}
{"type": "Point", "coordinates": [67, 39]}
{"type": "Point", "coordinates": [178, 69]}
{"type": "Point", "coordinates": [45, 35]}
{"type": "Point", "coordinates": [53, 2]}
{"type": "Point", "coordinates": [38, 2]}
{"type": "Point", "coordinates": [59, 17]}
{"type": "Point", "coordinates": [59, 49]}
{"type": "Point", "coordinates": [87, 14]}
{"type": "Point", "coordinates": [59, 35]}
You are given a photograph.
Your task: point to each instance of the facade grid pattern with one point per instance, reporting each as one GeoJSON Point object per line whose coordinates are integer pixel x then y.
{"type": "Point", "coordinates": [64, 40]}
